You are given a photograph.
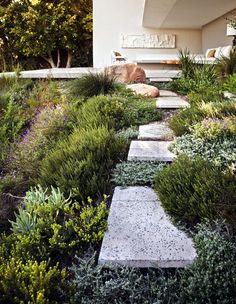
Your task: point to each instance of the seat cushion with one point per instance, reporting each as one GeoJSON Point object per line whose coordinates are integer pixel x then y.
{"type": "Point", "coordinates": [210, 53]}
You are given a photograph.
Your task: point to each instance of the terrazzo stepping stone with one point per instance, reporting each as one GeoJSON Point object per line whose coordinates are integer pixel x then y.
{"type": "Point", "coordinates": [229, 95]}
{"type": "Point", "coordinates": [140, 233]}
{"type": "Point", "coordinates": [155, 131]}
{"type": "Point", "coordinates": [150, 151]}
{"type": "Point", "coordinates": [165, 93]}
{"type": "Point", "coordinates": [171, 103]}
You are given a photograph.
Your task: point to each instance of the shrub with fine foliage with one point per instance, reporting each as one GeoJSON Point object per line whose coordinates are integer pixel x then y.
{"type": "Point", "coordinates": [30, 282]}
{"type": "Point", "coordinates": [195, 190]}
{"type": "Point", "coordinates": [83, 162]}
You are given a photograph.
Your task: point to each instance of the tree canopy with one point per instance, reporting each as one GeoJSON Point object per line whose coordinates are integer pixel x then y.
{"type": "Point", "coordinates": [44, 28]}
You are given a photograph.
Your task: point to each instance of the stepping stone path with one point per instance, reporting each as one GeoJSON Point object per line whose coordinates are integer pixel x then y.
{"type": "Point", "coordinates": [171, 102]}
{"type": "Point", "coordinates": [150, 151]}
{"type": "Point", "coordinates": [155, 131]}
{"type": "Point", "coordinates": [165, 93]}
{"type": "Point", "coordinates": [140, 234]}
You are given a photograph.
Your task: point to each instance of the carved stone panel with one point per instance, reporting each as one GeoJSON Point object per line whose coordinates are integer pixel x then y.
{"type": "Point", "coordinates": [150, 41]}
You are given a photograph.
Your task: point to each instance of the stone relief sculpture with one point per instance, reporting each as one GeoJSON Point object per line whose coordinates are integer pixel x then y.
{"type": "Point", "coordinates": [151, 41]}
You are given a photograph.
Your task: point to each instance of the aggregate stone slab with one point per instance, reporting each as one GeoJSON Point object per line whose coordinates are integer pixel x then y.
{"type": "Point", "coordinates": [171, 103]}
{"type": "Point", "coordinates": [155, 131]}
{"type": "Point", "coordinates": [140, 233]}
{"type": "Point", "coordinates": [165, 93]}
{"type": "Point", "coordinates": [151, 151]}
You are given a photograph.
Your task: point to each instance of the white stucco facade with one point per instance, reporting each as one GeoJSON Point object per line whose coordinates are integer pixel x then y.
{"type": "Point", "coordinates": [114, 17]}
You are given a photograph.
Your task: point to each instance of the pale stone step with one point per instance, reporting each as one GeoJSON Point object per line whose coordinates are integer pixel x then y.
{"type": "Point", "coordinates": [155, 131]}
{"type": "Point", "coordinates": [151, 151]}
{"type": "Point", "coordinates": [166, 93]}
{"type": "Point", "coordinates": [159, 79]}
{"type": "Point", "coordinates": [162, 73]}
{"type": "Point", "coordinates": [229, 95]}
{"type": "Point", "coordinates": [57, 73]}
{"type": "Point", "coordinates": [171, 103]}
{"type": "Point", "coordinates": [140, 234]}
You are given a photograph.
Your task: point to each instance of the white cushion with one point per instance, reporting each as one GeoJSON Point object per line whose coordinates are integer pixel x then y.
{"type": "Point", "coordinates": [225, 51]}
{"type": "Point", "coordinates": [218, 53]}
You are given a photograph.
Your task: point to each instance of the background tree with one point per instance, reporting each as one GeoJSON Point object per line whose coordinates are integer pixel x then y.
{"type": "Point", "coordinates": [48, 29]}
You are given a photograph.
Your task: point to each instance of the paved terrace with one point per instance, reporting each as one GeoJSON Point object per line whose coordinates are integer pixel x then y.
{"type": "Point", "coordinates": [67, 73]}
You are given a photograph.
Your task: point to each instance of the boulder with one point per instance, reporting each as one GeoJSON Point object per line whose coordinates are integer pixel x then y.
{"type": "Point", "coordinates": [144, 89]}
{"type": "Point", "coordinates": [127, 72]}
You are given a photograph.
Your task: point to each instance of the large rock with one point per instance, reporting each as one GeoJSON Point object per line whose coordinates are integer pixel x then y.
{"type": "Point", "coordinates": [144, 89]}
{"type": "Point", "coordinates": [127, 72]}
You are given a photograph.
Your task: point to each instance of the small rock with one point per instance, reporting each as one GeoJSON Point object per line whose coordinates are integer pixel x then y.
{"type": "Point", "coordinates": [144, 89]}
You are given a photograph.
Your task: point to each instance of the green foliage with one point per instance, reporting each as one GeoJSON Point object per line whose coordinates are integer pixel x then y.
{"type": "Point", "coordinates": [129, 133]}
{"type": "Point", "coordinates": [98, 284]}
{"type": "Point", "coordinates": [30, 282]}
{"type": "Point", "coordinates": [210, 279]}
{"type": "Point", "coordinates": [48, 225]}
{"type": "Point", "coordinates": [230, 84]}
{"type": "Point", "coordinates": [92, 84]}
{"type": "Point", "coordinates": [50, 125]}
{"type": "Point", "coordinates": [44, 92]}
{"type": "Point", "coordinates": [226, 66]}
{"type": "Point", "coordinates": [136, 173]}
{"type": "Point", "coordinates": [195, 77]}
{"type": "Point", "coordinates": [54, 27]}
{"type": "Point", "coordinates": [209, 94]}
{"type": "Point", "coordinates": [187, 63]}
{"type": "Point", "coordinates": [214, 128]}
{"type": "Point", "coordinates": [194, 190]}
{"type": "Point", "coordinates": [118, 111]}
{"type": "Point", "coordinates": [11, 124]}
{"type": "Point", "coordinates": [83, 161]}
{"type": "Point", "coordinates": [220, 151]}
{"type": "Point", "coordinates": [186, 118]}
{"type": "Point", "coordinates": [101, 110]}
{"type": "Point", "coordinates": [139, 110]}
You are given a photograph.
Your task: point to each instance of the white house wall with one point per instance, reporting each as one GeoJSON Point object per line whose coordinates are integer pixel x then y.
{"type": "Point", "coordinates": [214, 33]}
{"type": "Point", "coordinates": [113, 17]}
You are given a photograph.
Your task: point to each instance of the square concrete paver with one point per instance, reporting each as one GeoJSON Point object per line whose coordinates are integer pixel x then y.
{"type": "Point", "coordinates": [140, 233]}
{"type": "Point", "coordinates": [171, 103]}
{"type": "Point", "coordinates": [166, 93]}
{"type": "Point", "coordinates": [151, 151]}
{"type": "Point", "coordinates": [155, 131]}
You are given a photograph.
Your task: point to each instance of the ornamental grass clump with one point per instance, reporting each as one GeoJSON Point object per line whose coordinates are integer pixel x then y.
{"type": "Point", "coordinates": [193, 190]}
{"type": "Point", "coordinates": [194, 77]}
{"type": "Point", "coordinates": [92, 84]}
{"type": "Point", "coordinates": [230, 84]}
